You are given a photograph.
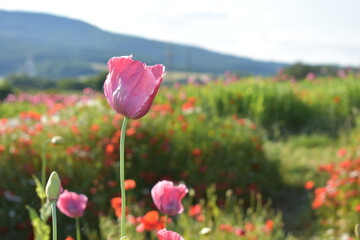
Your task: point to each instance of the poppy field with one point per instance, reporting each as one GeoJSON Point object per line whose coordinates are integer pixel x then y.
{"type": "Point", "coordinates": [249, 158]}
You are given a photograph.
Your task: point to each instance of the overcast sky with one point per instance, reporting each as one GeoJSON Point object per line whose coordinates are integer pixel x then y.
{"type": "Point", "coordinates": [311, 31]}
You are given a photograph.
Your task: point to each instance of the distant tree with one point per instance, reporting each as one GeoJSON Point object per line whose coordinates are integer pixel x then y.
{"type": "Point", "coordinates": [5, 89]}
{"type": "Point", "coordinates": [70, 84]}
{"type": "Point", "coordinates": [97, 82]}
{"type": "Point", "coordinates": [22, 81]}
{"type": "Point", "coordinates": [298, 70]}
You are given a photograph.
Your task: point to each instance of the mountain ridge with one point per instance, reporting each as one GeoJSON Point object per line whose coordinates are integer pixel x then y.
{"type": "Point", "coordinates": [55, 47]}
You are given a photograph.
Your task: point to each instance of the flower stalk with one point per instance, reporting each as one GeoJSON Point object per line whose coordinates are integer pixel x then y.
{"type": "Point", "coordinates": [54, 220]}
{"type": "Point", "coordinates": [78, 234]}
{"type": "Point", "coordinates": [43, 165]}
{"type": "Point", "coordinates": [122, 176]}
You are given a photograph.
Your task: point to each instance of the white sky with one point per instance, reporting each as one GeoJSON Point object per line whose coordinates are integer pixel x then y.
{"type": "Point", "coordinates": [311, 31]}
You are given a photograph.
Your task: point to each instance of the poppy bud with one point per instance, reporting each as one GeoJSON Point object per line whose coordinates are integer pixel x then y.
{"type": "Point", "coordinates": [53, 188]}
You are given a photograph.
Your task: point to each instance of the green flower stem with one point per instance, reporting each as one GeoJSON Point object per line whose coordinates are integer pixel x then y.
{"type": "Point", "coordinates": [43, 166]}
{"type": "Point", "coordinates": [166, 218]}
{"type": "Point", "coordinates": [122, 176]}
{"type": "Point", "coordinates": [78, 234]}
{"type": "Point", "coordinates": [54, 220]}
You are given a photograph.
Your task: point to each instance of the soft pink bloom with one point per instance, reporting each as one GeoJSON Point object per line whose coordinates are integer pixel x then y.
{"type": "Point", "coordinates": [164, 234]}
{"type": "Point", "coordinates": [341, 152]}
{"type": "Point", "coordinates": [167, 197]}
{"type": "Point", "coordinates": [341, 73]}
{"type": "Point", "coordinates": [131, 86]}
{"type": "Point", "coordinates": [72, 204]}
{"type": "Point", "coordinates": [310, 76]}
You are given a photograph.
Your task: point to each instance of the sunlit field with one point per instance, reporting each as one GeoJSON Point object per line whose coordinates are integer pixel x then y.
{"type": "Point", "coordinates": [262, 158]}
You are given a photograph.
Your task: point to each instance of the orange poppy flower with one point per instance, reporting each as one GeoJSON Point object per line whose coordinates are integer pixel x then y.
{"type": "Point", "coordinates": [130, 184]}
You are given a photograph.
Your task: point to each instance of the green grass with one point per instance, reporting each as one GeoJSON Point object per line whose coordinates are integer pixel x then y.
{"type": "Point", "coordinates": [300, 156]}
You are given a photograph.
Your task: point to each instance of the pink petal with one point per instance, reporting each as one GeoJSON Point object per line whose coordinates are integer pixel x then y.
{"type": "Point", "coordinates": [131, 86]}
{"type": "Point", "coordinates": [164, 234]}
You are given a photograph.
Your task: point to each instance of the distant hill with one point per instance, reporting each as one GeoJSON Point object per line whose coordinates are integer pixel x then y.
{"type": "Point", "coordinates": [56, 47]}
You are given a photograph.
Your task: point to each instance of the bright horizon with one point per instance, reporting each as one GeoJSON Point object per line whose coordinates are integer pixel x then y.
{"type": "Point", "coordinates": [310, 31]}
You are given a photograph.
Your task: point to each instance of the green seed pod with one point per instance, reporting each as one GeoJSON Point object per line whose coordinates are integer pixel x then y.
{"type": "Point", "coordinates": [53, 188]}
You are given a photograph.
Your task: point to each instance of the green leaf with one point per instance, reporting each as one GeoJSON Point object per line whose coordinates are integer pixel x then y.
{"type": "Point", "coordinates": [39, 188]}
{"type": "Point", "coordinates": [45, 211]}
{"type": "Point", "coordinates": [41, 229]}
{"type": "Point", "coordinates": [357, 228]}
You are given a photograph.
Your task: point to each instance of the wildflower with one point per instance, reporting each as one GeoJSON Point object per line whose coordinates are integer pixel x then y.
{"type": "Point", "coordinates": [239, 232]}
{"type": "Point", "coordinates": [196, 152]}
{"type": "Point", "coordinates": [109, 149]}
{"type": "Point", "coordinates": [195, 210]}
{"type": "Point", "coordinates": [167, 197]}
{"type": "Point", "coordinates": [130, 184]}
{"type": "Point", "coordinates": [131, 86]}
{"type": "Point", "coordinates": [95, 127]}
{"type": "Point", "coordinates": [310, 76]}
{"type": "Point", "coordinates": [111, 183]}
{"type": "Point", "coordinates": [72, 204]}
{"type": "Point", "coordinates": [151, 221]}
{"type": "Point", "coordinates": [164, 234]}
{"type": "Point", "coordinates": [269, 225]}
{"type": "Point", "coordinates": [249, 227]}
{"type": "Point", "coordinates": [357, 208]}
{"type": "Point", "coordinates": [225, 227]}
{"type": "Point", "coordinates": [320, 198]}
{"type": "Point", "coordinates": [345, 164]}
{"type": "Point", "coordinates": [309, 185]}
{"type": "Point", "coordinates": [116, 205]}
{"type": "Point", "coordinates": [341, 152]}
{"type": "Point", "coordinates": [130, 132]}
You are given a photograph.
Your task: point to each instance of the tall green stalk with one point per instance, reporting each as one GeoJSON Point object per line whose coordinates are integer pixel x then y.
{"type": "Point", "coordinates": [43, 166]}
{"type": "Point", "coordinates": [54, 220]}
{"type": "Point", "coordinates": [122, 176]}
{"type": "Point", "coordinates": [78, 234]}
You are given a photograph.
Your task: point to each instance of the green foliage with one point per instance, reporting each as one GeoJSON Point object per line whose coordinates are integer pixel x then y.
{"type": "Point", "coordinates": [40, 189]}
{"type": "Point", "coordinates": [299, 70]}
{"type": "Point", "coordinates": [70, 84]}
{"type": "Point", "coordinates": [337, 204]}
{"type": "Point", "coordinates": [5, 89]}
{"type": "Point", "coordinates": [41, 229]}
{"type": "Point", "coordinates": [325, 106]}
{"type": "Point", "coordinates": [232, 221]}
{"type": "Point", "coordinates": [197, 134]}
{"type": "Point", "coordinates": [26, 82]}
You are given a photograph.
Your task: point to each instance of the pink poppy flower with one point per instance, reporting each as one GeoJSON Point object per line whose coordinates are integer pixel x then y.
{"type": "Point", "coordinates": [167, 197]}
{"type": "Point", "coordinates": [164, 234]}
{"type": "Point", "coordinates": [72, 204]}
{"type": "Point", "coordinates": [310, 76]}
{"type": "Point", "coordinates": [131, 86]}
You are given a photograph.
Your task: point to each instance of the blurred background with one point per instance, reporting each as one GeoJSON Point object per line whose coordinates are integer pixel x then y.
{"type": "Point", "coordinates": [258, 115]}
{"type": "Point", "coordinates": [75, 38]}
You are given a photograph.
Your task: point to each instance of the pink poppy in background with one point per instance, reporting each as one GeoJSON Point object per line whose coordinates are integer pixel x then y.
{"type": "Point", "coordinates": [164, 234]}
{"type": "Point", "coordinates": [72, 204]}
{"type": "Point", "coordinates": [341, 152]}
{"type": "Point", "coordinates": [131, 86]}
{"type": "Point", "coordinates": [310, 76]}
{"type": "Point", "coordinates": [167, 197]}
